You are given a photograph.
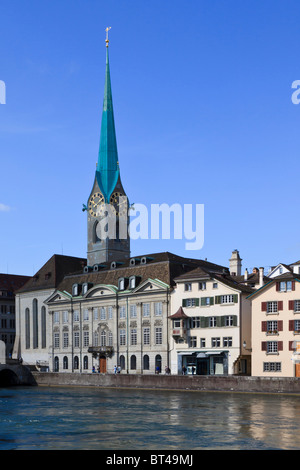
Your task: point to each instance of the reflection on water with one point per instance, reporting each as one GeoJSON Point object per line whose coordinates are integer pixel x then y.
{"type": "Point", "coordinates": [88, 418]}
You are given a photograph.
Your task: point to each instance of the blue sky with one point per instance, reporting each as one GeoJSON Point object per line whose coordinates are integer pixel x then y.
{"type": "Point", "coordinates": [203, 112]}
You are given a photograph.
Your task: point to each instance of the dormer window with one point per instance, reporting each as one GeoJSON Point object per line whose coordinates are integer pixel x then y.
{"type": "Point", "coordinates": [121, 283]}
{"type": "Point", "coordinates": [132, 282]}
{"type": "Point", "coordinates": [75, 290]}
{"type": "Point", "coordinates": [85, 288]}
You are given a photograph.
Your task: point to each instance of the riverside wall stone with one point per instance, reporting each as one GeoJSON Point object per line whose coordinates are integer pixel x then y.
{"type": "Point", "coordinates": [172, 382]}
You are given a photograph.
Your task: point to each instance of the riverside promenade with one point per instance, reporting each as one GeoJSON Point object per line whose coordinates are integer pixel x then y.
{"type": "Point", "coordinates": [172, 382]}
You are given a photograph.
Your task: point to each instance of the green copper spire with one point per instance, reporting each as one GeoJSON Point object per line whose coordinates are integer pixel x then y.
{"type": "Point", "coordinates": [107, 172]}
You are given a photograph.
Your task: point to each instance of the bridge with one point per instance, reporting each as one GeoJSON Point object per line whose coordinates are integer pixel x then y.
{"type": "Point", "coordinates": [13, 375]}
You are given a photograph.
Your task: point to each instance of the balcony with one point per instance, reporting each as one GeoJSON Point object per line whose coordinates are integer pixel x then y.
{"type": "Point", "coordinates": [101, 350]}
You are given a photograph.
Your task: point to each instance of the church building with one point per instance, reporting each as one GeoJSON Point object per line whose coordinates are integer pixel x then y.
{"type": "Point", "coordinates": [111, 310]}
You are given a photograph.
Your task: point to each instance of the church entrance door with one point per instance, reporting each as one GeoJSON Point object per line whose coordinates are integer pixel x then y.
{"type": "Point", "coordinates": [102, 364]}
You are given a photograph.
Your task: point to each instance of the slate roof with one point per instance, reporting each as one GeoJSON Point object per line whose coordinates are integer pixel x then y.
{"type": "Point", "coordinates": [163, 266]}
{"type": "Point", "coordinates": [12, 282]}
{"type": "Point", "coordinates": [53, 272]}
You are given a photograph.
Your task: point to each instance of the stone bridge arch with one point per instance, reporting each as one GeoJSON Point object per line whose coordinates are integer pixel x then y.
{"type": "Point", "coordinates": [15, 375]}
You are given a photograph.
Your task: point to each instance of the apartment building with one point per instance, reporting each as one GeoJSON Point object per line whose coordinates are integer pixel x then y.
{"type": "Point", "coordinates": [276, 326]}
{"type": "Point", "coordinates": [210, 324]}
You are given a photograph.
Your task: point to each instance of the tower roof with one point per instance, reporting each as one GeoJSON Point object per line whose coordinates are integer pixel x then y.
{"type": "Point", "coordinates": [107, 172]}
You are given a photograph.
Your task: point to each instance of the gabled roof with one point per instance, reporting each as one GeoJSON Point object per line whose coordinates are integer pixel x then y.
{"type": "Point", "coordinates": [288, 276]}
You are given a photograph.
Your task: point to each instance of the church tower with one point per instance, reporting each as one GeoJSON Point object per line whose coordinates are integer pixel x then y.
{"type": "Point", "coordinates": [107, 207]}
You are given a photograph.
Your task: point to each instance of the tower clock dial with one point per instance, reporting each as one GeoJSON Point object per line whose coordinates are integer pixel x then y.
{"type": "Point", "coordinates": [120, 203]}
{"type": "Point", "coordinates": [96, 205]}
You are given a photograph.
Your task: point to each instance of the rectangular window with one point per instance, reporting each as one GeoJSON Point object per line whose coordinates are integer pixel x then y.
{"type": "Point", "coordinates": [297, 306]}
{"type": "Point", "coordinates": [195, 322]}
{"type": "Point", "coordinates": [272, 307]}
{"type": "Point", "coordinates": [95, 312]}
{"type": "Point", "coordinates": [56, 317]}
{"type": "Point", "coordinates": [272, 326]}
{"type": "Point", "coordinates": [285, 286]}
{"type": "Point", "coordinates": [146, 310]}
{"type": "Point", "coordinates": [188, 286]}
{"type": "Point", "coordinates": [215, 285]}
{"type": "Point", "coordinates": [56, 340]}
{"type": "Point", "coordinates": [158, 335]}
{"type": "Point", "coordinates": [66, 340]}
{"type": "Point", "coordinates": [212, 322]}
{"type": "Point", "coordinates": [76, 339]}
{"type": "Point", "coordinates": [146, 334]}
{"type": "Point", "coordinates": [85, 314]}
{"type": "Point", "coordinates": [227, 341]}
{"type": "Point", "coordinates": [110, 312]}
{"type": "Point", "coordinates": [103, 313]}
{"type": "Point", "coordinates": [133, 311]}
{"type": "Point", "coordinates": [123, 311]}
{"type": "Point", "coordinates": [272, 347]}
{"type": "Point", "coordinates": [86, 339]}
{"type": "Point", "coordinates": [272, 367]}
{"type": "Point", "coordinates": [76, 315]}
{"type": "Point", "coordinates": [215, 342]}
{"type": "Point", "coordinates": [202, 342]}
{"type": "Point", "coordinates": [158, 308]}
{"type": "Point", "coordinates": [190, 302]}
{"type": "Point", "coordinates": [193, 342]}
{"type": "Point", "coordinates": [122, 337]}
{"type": "Point", "coordinates": [227, 299]}
{"type": "Point", "coordinates": [202, 285]}
{"type": "Point", "coordinates": [229, 320]}
{"type": "Point", "coordinates": [65, 316]}
{"type": "Point", "coordinates": [133, 336]}
{"type": "Point", "coordinates": [297, 325]}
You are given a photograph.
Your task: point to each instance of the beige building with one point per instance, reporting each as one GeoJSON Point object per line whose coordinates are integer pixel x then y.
{"type": "Point", "coordinates": [276, 327]}
{"type": "Point", "coordinates": [210, 324]}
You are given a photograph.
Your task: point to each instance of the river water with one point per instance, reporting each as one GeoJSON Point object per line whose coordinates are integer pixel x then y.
{"type": "Point", "coordinates": [69, 418]}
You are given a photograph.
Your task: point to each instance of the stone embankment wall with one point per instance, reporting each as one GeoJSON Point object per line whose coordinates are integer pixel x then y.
{"type": "Point", "coordinates": [172, 382]}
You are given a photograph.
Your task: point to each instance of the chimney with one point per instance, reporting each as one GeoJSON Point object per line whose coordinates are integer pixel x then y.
{"type": "Point", "coordinates": [246, 274]}
{"type": "Point", "coordinates": [261, 277]}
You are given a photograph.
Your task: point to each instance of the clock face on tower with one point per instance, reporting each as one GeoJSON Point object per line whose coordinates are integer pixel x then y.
{"type": "Point", "coordinates": [96, 205]}
{"type": "Point", "coordinates": [120, 203]}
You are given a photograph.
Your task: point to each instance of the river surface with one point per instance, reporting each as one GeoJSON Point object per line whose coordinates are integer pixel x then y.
{"type": "Point", "coordinates": [69, 418]}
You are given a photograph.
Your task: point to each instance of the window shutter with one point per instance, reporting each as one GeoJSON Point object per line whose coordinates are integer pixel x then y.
{"type": "Point", "coordinates": [235, 320]}
{"type": "Point", "coordinates": [197, 302]}
{"type": "Point", "coordinates": [222, 321]}
{"type": "Point", "coordinates": [263, 326]}
{"type": "Point", "coordinates": [206, 322]}
{"type": "Point", "coordinates": [291, 346]}
{"type": "Point", "coordinates": [291, 304]}
{"type": "Point", "coordinates": [293, 285]}
{"type": "Point", "coordinates": [280, 345]}
{"type": "Point", "coordinates": [203, 303]}
{"type": "Point", "coordinates": [219, 321]}
{"type": "Point", "coordinates": [184, 302]}
{"type": "Point", "coordinates": [202, 322]}
{"type": "Point", "coordinates": [235, 298]}
{"type": "Point", "coordinates": [264, 306]}
{"type": "Point", "coordinates": [280, 305]}
{"type": "Point", "coordinates": [264, 345]}
{"type": "Point", "coordinates": [277, 286]}
{"type": "Point", "coordinates": [217, 299]}
{"type": "Point", "coordinates": [211, 301]}
{"type": "Point", "coordinates": [291, 325]}
{"type": "Point", "coordinates": [280, 325]}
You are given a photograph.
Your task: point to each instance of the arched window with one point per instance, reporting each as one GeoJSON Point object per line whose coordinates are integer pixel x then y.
{"type": "Point", "coordinates": [35, 325]}
{"type": "Point", "coordinates": [133, 362]}
{"type": "Point", "coordinates": [43, 318]}
{"type": "Point", "coordinates": [146, 362]}
{"type": "Point", "coordinates": [56, 364]}
{"type": "Point", "coordinates": [122, 361]}
{"type": "Point", "coordinates": [27, 328]}
{"type": "Point", "coordinates": [65, 362]}
{"type": "Point", "coordinates": [158, 363]}
{"type": "Point", "coordinates": [85, 362]}
{"type": "Point", "coordinates": [76, 362]}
